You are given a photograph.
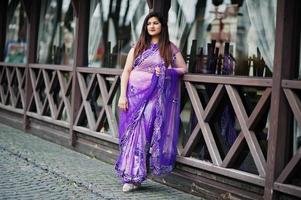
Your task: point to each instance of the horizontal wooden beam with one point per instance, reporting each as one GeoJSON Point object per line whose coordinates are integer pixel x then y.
{"type": "Point", "coordinates": [232, 173]}
{"type": "Point", "coordinates": [51, 67]}
{"type": "Point", "coordinates": [292, 84]}
{"type": "Point", "coordinates": [106, 71]}
{"type": "Point", "coordinates": [98, 135]}
{"type": "Point", "coordinates": [230, 80]}
{"type": "Point", "coordinates": [49, 119]}
{"type": "Point", "coordinates": [12, 109]}
{"type": "Point", "coordinates": [288, 189]}
{"type": "Point", "coordinates": [12, 64]}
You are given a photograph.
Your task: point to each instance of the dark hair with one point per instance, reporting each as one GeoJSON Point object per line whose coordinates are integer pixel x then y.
{"type": "Point", "coordinates": [145, 39]}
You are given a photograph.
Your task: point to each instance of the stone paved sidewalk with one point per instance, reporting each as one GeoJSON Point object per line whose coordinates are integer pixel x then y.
{"type": "Point", "coordinates": [32, 168]}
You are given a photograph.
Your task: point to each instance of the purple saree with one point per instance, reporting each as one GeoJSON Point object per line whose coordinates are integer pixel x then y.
{"type": "Point", "coordinates": [148, 130]}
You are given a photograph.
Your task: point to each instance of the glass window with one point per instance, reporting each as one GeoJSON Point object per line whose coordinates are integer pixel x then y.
{"type": "Point", "coordinates": [114, 26]}
{"type": "Point", "coordinates": [224, 38]}
{"type": "Point", "coordinates": [231, 37]}
{"type": "Point", "coordinates": [56, 32]}
{"type": "Point", "coordinates": [16, 35]}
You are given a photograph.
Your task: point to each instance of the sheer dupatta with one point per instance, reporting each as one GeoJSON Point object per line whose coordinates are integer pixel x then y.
{"type": "Point", "coordinates": [165, 140]}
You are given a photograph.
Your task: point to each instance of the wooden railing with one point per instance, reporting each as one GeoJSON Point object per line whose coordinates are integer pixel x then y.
{"type": "Point", "coordinates": [97, 114]}
{"type": "Point", "coordinates": [284, 182]}
{"type": "Point", "coordinates": [51, 96]}
{"type": "Point", "coordinates": [227, 87]}
{"type": "Point", "coordinates": [12, 84]}
{"type": "Point", "coordinates": [98, 88]}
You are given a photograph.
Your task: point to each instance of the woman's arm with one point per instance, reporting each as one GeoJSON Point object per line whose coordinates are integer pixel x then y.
{"type": "Point", "coordinates": [181, 66]}
{"type": "Point", "coordinates": [123, 102]}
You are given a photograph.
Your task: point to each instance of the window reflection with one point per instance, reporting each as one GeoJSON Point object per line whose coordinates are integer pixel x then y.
{"type": "Point", "coordinates": [56, 32]}
{"type": "Point", "coordinates": [224, 38]}
{"type": "Point", "coordinates": [16, 44]}
{"type": "Point", "coordinates": [114, 26]}
{"type": "Point", "coordinates": [226, 34]}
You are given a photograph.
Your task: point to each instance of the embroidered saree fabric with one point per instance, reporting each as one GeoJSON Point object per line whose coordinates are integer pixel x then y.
{"type": "Point", "coordinates": [148, 129]}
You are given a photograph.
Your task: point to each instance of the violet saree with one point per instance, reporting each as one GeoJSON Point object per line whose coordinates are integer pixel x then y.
{"type": "Point", "coordinates": [148, 130]}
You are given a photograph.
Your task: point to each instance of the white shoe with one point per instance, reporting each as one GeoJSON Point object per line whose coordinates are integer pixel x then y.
{"type": "Point", "coordinates": [128, 187]}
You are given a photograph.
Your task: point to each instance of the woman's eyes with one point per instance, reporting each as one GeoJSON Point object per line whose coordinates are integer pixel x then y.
{"type": "Point", "coordinates": [156, 23]}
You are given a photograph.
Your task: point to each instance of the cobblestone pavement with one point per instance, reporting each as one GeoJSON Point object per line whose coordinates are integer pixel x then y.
{"type": "Point", "coordinates": [32, 168]}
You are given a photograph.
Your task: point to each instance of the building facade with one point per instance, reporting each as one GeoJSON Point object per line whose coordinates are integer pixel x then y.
{"type": "Point", "coordinates": [60, 67]}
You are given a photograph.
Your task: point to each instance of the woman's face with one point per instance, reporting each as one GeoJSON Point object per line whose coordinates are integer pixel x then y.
{"type": "Point", "coordinates": [153, 26]}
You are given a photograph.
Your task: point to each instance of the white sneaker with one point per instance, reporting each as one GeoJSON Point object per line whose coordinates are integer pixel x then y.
{"type": "Point", "coordinates": [128, 187]}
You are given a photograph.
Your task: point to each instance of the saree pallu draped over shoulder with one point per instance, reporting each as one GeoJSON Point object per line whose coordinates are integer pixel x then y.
{"type": "Point", "coordinates": [148, 130]}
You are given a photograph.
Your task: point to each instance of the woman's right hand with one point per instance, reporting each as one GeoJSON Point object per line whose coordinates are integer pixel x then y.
{"type": "Point", "coordinates": [157, 71]}
{"type": "Point", "coordinates": [123, 103]}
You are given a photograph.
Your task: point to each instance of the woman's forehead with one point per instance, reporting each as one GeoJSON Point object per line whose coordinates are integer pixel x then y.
{"type": "Point", "coordinates": [153, 19]}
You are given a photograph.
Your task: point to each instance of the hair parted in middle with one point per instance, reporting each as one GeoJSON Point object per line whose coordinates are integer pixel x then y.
{"type": "Point", "coordinates": [144, 41]}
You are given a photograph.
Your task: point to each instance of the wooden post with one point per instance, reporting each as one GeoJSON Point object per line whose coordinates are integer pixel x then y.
{"type": "Point", "coordinates": [80, 57]}
{"type": "Point", "coordinates": [3, 14]}
{"type": "Point", "coordinates": [162, 7]}
{"type": "Point", "coordinates": [33, 16]}
{"type": "Point", "coordinates": [285, 61]}
{"type": "Point", "coordinates": [150, 4]}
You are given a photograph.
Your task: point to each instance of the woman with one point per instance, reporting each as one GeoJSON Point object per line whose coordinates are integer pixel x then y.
{"type": "Point", "coordinates": [149, 105]}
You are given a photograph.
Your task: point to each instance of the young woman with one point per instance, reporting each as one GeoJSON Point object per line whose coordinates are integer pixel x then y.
{"type": "Point", "coordinates": [149, 105]}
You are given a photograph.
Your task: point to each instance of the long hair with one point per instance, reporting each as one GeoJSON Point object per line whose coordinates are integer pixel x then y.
{"type": "Point", "coordinates": [145, 39]}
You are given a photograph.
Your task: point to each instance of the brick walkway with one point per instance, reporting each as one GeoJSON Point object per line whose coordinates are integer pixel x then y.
{"type": "Point", "coordinates": [32, 168]}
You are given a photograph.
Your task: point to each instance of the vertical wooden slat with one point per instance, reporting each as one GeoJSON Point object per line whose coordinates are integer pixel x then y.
{"type": "Point", "coordinates": [150, 4]}
{"type": "Point", "coordinates": [214, 102]}
{"type": "Point", "coordinates": [3, 97]}
{"type": "Point", "coordinates": [290, 168]}
{"type": "Point", "coordinates": [89, 114]}
{"type": "Point", "coordinates": [20, 78]}
{"type": "Point", "coordinates": [32, 35]}
{"type": "Point", "coordinates": [64, 89]}
{"type": "Point", "coordinates": [208, 112]}
{"type": "Point", "coordinates": [162, 7]}
{"type": "Point", "coordinates": [234, 151]}
{"type": "Point", "coordinates": [27, 5]}
{"type": "Point", "coordinates": [206, 130]}
{"type": "Point", "coordinates": [260, 109]}
{"type": "Point", "coordinates": [255, 116]}
{"type": "Point", "coordinates": [48, 84]}
{"type": "Point", "coordinates": [35, 95]}
{"type": "Point", "coordinates": [192, 141]}
{"type": "Point", "coordinates": [75, 7]}
{"type": "Point", "coordinates": [113, 89]}
{"type": "Point", "coordinates": [250, 136]}
{"type": "Point", "coordinates": [287, 43]}
{"type": "Point", "coordinates": [295, 104]}
{"type": "Point", "coordinates": [80, 58]}
{"type": "Point", "coordinates": [109, 113]}
{"type": "Point", "coordinates": [9, 75]}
